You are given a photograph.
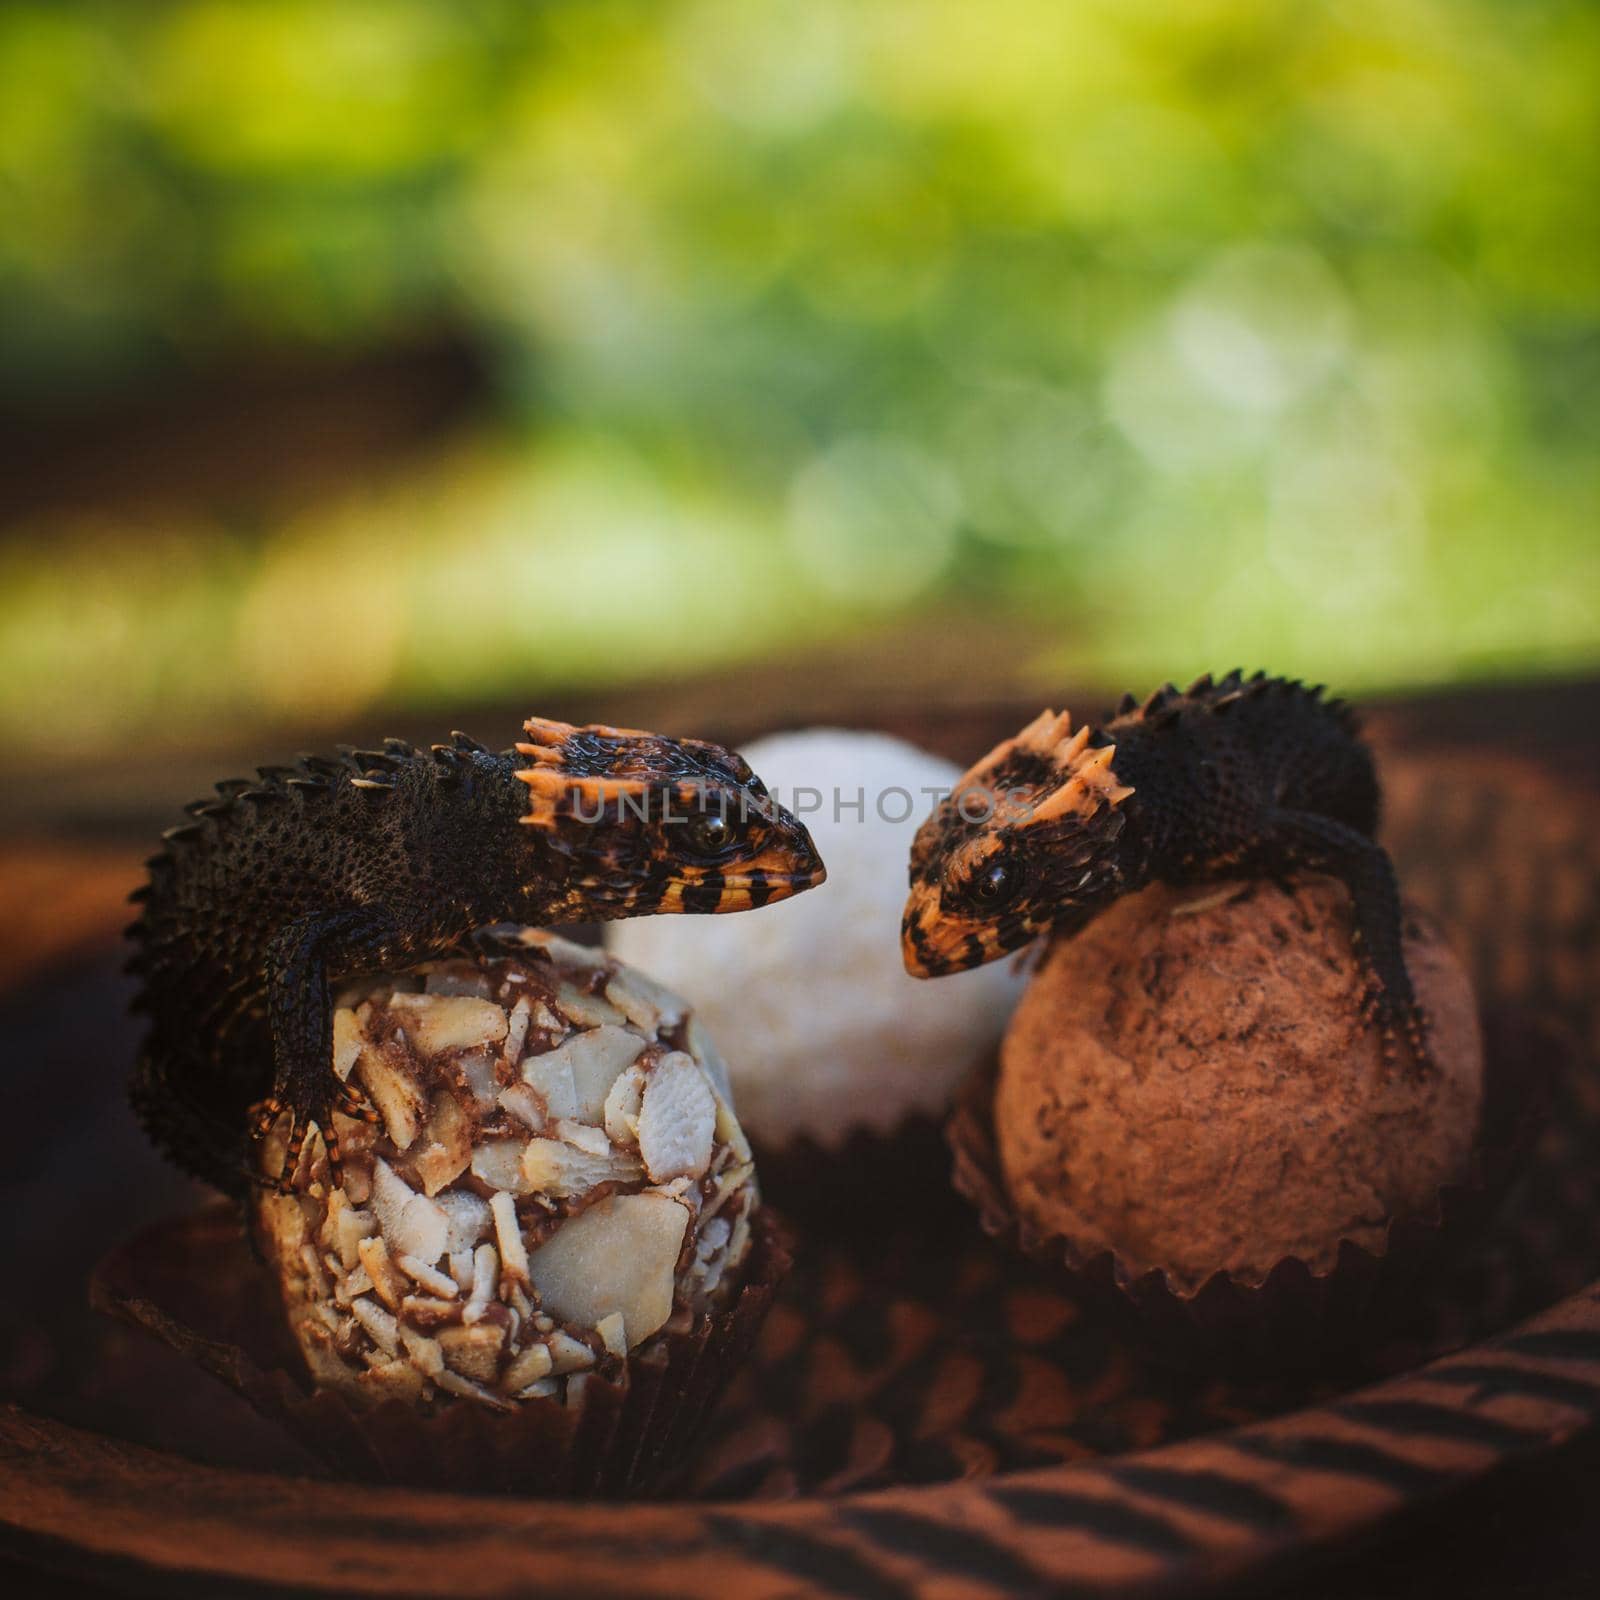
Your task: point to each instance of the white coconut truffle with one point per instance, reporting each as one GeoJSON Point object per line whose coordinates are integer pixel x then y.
{"type": "Point", "coordinates": [557, 1176]}
{"type": "Point", "coordinates": [823, 1029]}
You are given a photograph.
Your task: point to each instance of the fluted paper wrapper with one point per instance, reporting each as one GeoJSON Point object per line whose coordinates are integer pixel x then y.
{"type": "Point", "coordinates": [1295, 1316]}
{"type": "Point", "coordinates": [870, 1181]}
{"type": "Point", "coordinates": [194, 1283]}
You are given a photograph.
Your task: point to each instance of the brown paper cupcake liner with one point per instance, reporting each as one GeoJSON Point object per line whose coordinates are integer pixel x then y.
{"type": "Point", "coordinates": [1295, 1316]}
{"type": "Point", "coordinates": [194, 1283]}
{"type": "Point", "coordinates": [871, 1181]}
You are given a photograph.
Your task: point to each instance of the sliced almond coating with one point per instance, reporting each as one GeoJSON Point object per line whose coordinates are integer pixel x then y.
{"type": "Point", "coordinates": [568, 1354]}
{"type": "Point", "coordinates": [508, 1231]}
{"type": "Point", "coordinates": [731, 1134]}
{"type": "Point", "coordinates": [474, 1351]}
{"type": "Point", "coordinates": [526, 1104]}
{"type": "Point", "coordinates": [587, 1010]}
{"type": "Point", "coordinates": [467, 1220]}
{"type": "Point", "coordinates": [357, 1281]}
{"type": "Point", "coordinates": [454, 1383]}
{"type": "Point", "coordinates": [380, 1325]}
{"type": "Point", "coordinates": [499, 1163]}
{"type": "Point", "coordinates": [316, 1274]}
{"type": "Point", "coordinates": [547, 1021]}
{"type": "Point", "coordinates": [595, 1058]}
{"type": "Point", "coordinates": [480, 1071]}
{"type": "Point", "coordinates": [387, 1283]}
{"type": "Point", "coordinates": [426, 1354]}
{"type": "Point", "coordinates": [347, 1226]}
{"type": "Point", "coordinates": [592, 1141]}
{"type": "Point", "coordinates": [430, 1278]}
{"type": "Point", "coordinates": [357, 1179]}
{"type": "Point", "coordinates": [461, 1266]}
{"type": "Point", "coordinates": [550, 1077]}
{"type": "Point", "coordinates": [618, 1256]}
{"type": "Point", "coordinates": [533, 1364]}
{"type": "Point", "coordinates": [710, 1258]}
{"type": "Point", "coordinates": [397, 1380]}
{"type": "Point", "coordinates": [738, 1244]}
{"type": "Point", "coordinates": [728, 1183]}
{"type": "Point", "coordinates": [552, 1167]}
{"type": "Point", "coordinates": [412, 1224]}
{"type": "Point", "coordinates": [589, 957]}
{"type": "Point", "coordinates": [395, 1094]}
{"type": "Point", "coordinates": [485, 1280]}
{"type": "Point", "coordinates": [644, 1002]}
{"type": "Point", "coordinates": [448, 1148]}
{"type": "Point", "coordinates": [713, 1235]}
{"type": "Point", "coordinates": [347, 1042]}
{"type": "Point", "coordinates": [613, 1333]}
{"type": "Point", "coordinates": [516, 1032]}
{"type": "Point", "coordinates": [622, 1108]}
{"type": "Point", "coordinates": [437, 1023]}
{"type": "Point", "coordinates": [703, 1048]}
{"type": "Point", "coordinates": [544, 1389]}
{"type": "Point", "coordinates": [447, 982]}
{"type": "Point", "coordinates": [325, 1315]}
{"type": "Point", "coordinates": [677, 1120]}
{"type": "Point", "coordinates": [425, 1312]}
{"type": "Point", "coordinates": [423, 1230]}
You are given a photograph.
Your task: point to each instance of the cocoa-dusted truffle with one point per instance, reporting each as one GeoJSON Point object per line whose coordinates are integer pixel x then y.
{"type": "Point", "coordinates": [557, 1181]}
{"type": "Point", "coordinates": [1189, 1083]}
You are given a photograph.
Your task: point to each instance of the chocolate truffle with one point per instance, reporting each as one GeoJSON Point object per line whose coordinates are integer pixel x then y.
{"type": "Point", "coordinates": [1189, 1084]}
{"type": "Point", "coordinates": [557, 1181]}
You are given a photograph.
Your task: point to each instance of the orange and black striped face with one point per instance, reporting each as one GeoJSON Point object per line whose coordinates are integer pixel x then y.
{"type": "Point", "coordinates": [648, 824]}
{"type": "Point", "coordinates": [1024, 843]}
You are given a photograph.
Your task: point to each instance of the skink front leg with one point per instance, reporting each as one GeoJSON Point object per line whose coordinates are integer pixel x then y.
{"type": "Point", "coordinates": [305, 1087]}
{"type": "Point", "coordinates": [1305, 839]}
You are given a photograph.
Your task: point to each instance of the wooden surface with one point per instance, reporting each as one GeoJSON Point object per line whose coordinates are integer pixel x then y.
{"type": "Point", "coordinates": [1211, 1510]}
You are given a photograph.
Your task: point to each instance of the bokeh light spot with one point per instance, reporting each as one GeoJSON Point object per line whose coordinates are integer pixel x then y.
{"type": "Point", "coordinates": [872, 521]}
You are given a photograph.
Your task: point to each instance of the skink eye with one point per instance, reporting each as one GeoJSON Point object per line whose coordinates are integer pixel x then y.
{"type": "Point", "coordinates": [707, 833]}
{"type": "Point", "coordinates": [996, 886]}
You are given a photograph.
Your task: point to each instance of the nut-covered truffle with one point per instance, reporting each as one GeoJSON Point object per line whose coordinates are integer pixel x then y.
{"type": "Point", "coordinates": [556, 1178]}
{"type": "Point", "coordinates": [1189, 1084]}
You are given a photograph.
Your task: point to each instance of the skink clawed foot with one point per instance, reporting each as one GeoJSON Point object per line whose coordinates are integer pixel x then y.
{"type": "Point", "coordinates": [305, 1112]}
{"type": "Point", "coordinates": [1399, 1025]}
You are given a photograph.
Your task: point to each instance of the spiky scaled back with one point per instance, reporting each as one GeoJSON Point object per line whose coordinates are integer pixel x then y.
{"type": "Point", "coordinates": [1222, 697]}
{"type": "Point", "coordinates": [280, 796]}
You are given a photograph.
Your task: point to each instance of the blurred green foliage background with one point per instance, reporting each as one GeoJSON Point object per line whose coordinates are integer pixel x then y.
{"type": "Point", "coordinates": [1178, 336]}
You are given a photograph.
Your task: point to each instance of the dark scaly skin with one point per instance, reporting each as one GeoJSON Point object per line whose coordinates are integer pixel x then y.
{"type": "Point", "coordinates": [1238, 778]}
{"type": "Point", "coordinates": [282, 886]}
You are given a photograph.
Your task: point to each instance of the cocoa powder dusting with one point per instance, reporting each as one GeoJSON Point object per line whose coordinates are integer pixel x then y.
{"type": "Point", "coordinates": [1189, 1082]}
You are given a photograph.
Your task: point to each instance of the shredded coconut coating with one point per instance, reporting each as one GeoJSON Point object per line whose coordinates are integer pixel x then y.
{"type": "Point", "coordinates": [823, 1030]}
